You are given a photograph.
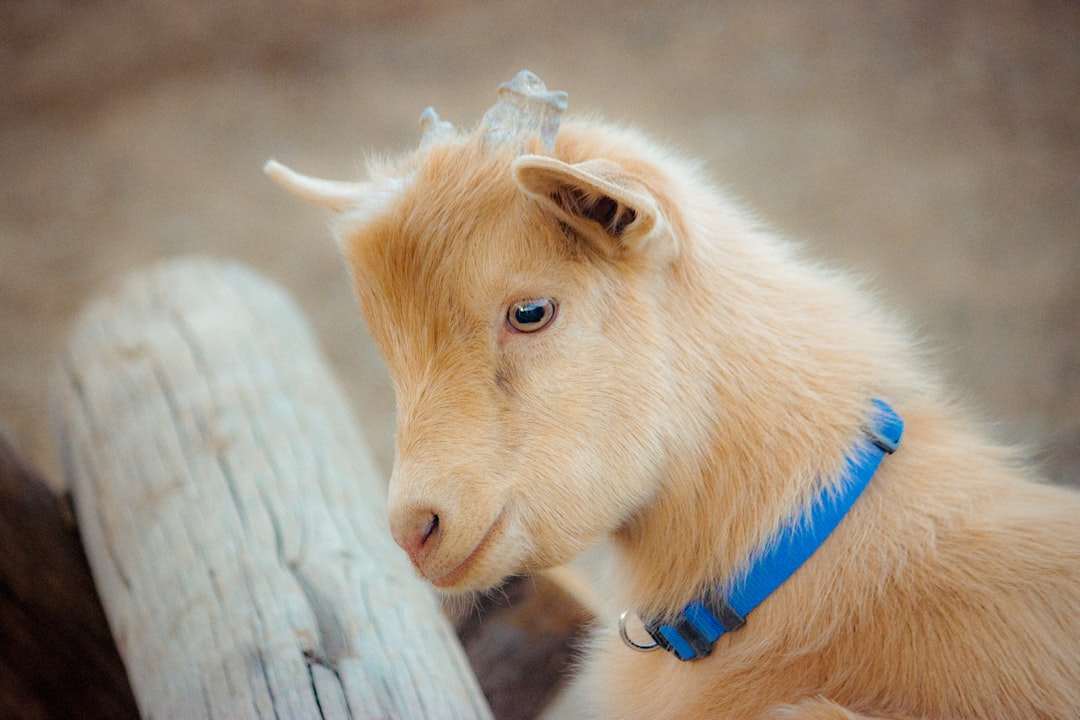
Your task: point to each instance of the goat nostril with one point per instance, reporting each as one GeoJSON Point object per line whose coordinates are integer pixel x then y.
{"type": "Point", "coordinates": [431, 529]}
{"type": "Point", "coordinates": [416, 531]}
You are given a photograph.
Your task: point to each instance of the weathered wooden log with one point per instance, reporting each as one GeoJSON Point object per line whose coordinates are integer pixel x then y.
{"type": "Point", "coordinates": [233, 516]}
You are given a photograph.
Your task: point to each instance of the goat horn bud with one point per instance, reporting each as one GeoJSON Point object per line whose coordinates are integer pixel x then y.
{"type": "Point", "coordinates": [332, 194]}
{"type": "Point", "coordinates": [525, 108]}
{"type": "Point", "coordinates": [433, 128]}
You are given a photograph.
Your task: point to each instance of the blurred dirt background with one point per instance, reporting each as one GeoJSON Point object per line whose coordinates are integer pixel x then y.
{"type": "Point", "coordinates": [934, 146]}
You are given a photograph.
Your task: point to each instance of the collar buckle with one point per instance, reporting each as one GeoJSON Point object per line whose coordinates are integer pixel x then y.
{"type": "Point", "coordinates": [886, 429]}
{"type": "Point", "coordinates": [631, 643]}
{"type": "Point", "coordinates": [886, 444]}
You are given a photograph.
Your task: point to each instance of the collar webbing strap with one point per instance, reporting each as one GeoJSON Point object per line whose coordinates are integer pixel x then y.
{"type": "Point", "coordinates": [692, 634]}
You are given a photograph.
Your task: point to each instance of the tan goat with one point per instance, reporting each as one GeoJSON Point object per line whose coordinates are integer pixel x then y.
{"type": "Point", "coordinates": [587, 340]}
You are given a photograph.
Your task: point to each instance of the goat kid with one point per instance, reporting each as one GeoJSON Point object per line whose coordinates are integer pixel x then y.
{"type": "Point", "coordinates": [586, 340]}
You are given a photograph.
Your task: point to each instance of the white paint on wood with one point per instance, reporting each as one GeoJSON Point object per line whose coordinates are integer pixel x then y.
{"type": "Point", "coordinates": [232, 514]}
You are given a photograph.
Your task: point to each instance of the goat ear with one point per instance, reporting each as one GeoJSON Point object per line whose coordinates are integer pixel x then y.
{"type": "Point", "coordinates": [595, 196]}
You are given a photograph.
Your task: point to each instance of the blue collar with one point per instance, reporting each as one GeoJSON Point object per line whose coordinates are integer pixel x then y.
{"type": "Point", "coordinates": [693, 632]}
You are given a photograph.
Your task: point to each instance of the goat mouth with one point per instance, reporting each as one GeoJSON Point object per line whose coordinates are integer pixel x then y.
{"type": "Point", "coordinates": [451, 578]}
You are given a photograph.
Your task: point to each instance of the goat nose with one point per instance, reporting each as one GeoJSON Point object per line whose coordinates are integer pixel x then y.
{"type": "Point", "coordinates": [416, 531]}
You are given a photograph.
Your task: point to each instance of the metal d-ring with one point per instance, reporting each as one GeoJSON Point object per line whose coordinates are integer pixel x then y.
{"type": "Point", "coordinates": [626, 637]}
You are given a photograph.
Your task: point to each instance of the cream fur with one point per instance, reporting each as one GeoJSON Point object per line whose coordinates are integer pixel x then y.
{"type": "Point", "coordinates": [698, 384]}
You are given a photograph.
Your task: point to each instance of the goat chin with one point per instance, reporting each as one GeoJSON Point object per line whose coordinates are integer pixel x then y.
{"type": "Point", "coordinates": [587, 340]}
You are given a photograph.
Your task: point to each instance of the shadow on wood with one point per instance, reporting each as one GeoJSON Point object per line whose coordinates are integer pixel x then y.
{"type": "Point", "coordinates": [521, 640]}
{"type": "Point", "coordinates": [57, 659]}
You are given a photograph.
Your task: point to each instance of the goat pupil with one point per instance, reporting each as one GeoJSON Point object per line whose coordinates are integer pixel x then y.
{"type": "Point", "coordinates": [530, 314]}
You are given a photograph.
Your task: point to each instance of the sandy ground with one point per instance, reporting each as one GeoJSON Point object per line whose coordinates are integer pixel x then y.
{"type": "Point", "coordinates": [933, 146]}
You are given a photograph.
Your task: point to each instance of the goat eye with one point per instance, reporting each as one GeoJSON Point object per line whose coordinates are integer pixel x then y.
{"type": "Point", "coordinates": [531, 315]}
